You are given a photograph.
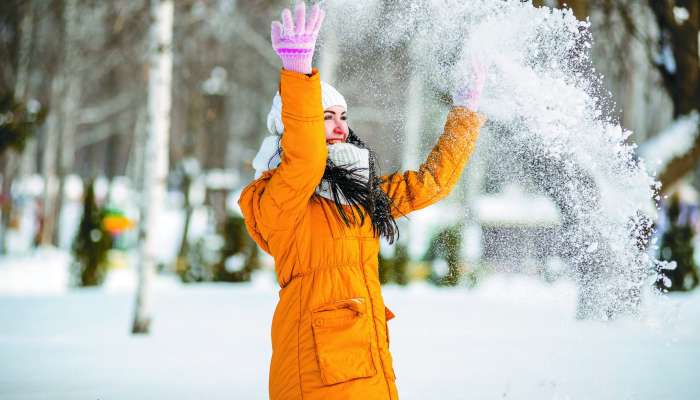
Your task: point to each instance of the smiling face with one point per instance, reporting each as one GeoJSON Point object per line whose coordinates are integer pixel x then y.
{"type": "Point", "coordinates": [335, 120]}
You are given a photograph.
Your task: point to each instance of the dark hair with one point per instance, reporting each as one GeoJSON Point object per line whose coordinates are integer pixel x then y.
{"type": "Point", "coordinates": [365, 197]}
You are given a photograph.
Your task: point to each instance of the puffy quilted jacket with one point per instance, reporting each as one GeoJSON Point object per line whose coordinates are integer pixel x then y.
{"type": "Point", "coordinates": [330, 337]}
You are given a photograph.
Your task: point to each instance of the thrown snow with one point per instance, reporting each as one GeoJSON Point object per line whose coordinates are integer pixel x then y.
{"type": "Point", "coordinates": [552, 128]}
{"type": "Point", "coordinates": [515, 207]}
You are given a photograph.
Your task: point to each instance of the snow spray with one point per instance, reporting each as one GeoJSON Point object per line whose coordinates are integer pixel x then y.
{"type": "Point", "coordinates": [549, 119]}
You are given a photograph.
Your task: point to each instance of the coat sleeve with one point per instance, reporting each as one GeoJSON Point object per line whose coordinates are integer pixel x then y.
{"type": "Point", "coordinates": [437, 176]}
{"type": "Point", "coordinates": [278, 199]}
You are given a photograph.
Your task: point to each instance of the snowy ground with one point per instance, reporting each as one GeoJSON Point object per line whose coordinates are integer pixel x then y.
{"type": "Point", "coordinates": [512, 338]}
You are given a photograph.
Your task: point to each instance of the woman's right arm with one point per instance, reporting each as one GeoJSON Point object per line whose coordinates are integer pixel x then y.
{"type": "Point", "coordinates": [279, 200]}
{"type": "Point", "coordinates": [304, 150]}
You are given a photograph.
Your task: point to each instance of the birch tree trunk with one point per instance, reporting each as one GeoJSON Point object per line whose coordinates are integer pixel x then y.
{"type": "Point", "coordinates": [156, 154]}
{"type": "Point", "coordinates": [59, 149]}
{"type": "Point", "coordinates": [49, 155]}
{"type": "Point", "coordinates": [134, 164]}
{"type": "Point", "coordinates": [70, 105]}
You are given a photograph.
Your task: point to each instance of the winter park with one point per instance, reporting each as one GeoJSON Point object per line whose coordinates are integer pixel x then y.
{"type": "Point", "coordinates": [377, 199]}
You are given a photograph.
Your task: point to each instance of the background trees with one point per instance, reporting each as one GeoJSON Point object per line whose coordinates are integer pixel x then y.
{"type": "Point", "coordinates": [81, 85]}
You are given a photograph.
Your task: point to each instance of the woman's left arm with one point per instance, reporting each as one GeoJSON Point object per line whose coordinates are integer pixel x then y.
{"type": "Point", "coordinates": [437, 176]}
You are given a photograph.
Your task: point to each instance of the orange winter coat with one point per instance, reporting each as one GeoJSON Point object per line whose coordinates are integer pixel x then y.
{"type": "Point", "coordinates": [329, 333]}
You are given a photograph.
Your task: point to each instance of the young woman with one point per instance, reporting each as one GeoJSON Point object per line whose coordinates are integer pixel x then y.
{"type": "Point", "coordinates": [319, 209]}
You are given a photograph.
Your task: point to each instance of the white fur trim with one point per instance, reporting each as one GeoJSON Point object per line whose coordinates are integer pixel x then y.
{"type": "Point", "coordinates": [268, 156]}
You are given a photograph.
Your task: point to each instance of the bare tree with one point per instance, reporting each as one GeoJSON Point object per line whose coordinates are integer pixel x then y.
{"type": "Point", "coordinates": [12, 161]}
{"type": "Point", "coordinates": [49, 155]}
{"type": "Point", "coordinates": [28, 161]}
{"type": "Point", "coordinates": [160, 65]}
{"type": "Point", "coordinates": [679, 22]}
{"type": "Point", "coordinates": [674, 54]}
{"type": "Point", "coordinates": [60, 131]}
{"type": "Point", "coordinates": [70, 103]}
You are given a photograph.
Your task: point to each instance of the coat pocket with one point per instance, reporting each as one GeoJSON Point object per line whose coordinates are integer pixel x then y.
{"type": "Point", "coordinates": [343, 346]}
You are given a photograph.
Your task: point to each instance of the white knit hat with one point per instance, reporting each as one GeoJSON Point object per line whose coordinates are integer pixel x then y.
{"type": "Point", "coordinates": [329, 97]}
{"type": "Point", "coordinates": [268, 155]}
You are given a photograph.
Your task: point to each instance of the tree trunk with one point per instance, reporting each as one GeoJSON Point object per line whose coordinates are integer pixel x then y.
{"type": "Point", "coordinates": [579, 7]}
{"type": "Point", "coordinates": [156, 153]}
{"type": "Point", "coordinates": [49, 155]}
{"type": "Point", "coordinates": [182, 254]}
{"type": "Point", "coordinates": [680, 166]}
{"type": "Point", "coordinates": [70, 104]}
{"type": "Point", "coordinates": [545, 3]}
{"type": "Point", "coordinates": [9, 170]}
{"type": "Point", "coordinates": [681, 76]}
{"type": "Point", "coordinates": [13, 161]}
{"type": "Point", "coordinates": [61, 125]}
{"type": "Point", "coordinates": [135, 161]}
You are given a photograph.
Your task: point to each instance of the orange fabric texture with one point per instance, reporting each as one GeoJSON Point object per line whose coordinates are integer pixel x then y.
{"type": "Point", "coordinates": [330, 335]}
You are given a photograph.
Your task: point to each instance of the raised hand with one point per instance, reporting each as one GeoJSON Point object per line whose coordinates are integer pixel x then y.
{"type": "Point", "coordinates": [294, 40]}
{"type": "Point", "coordinates": [468, 93]}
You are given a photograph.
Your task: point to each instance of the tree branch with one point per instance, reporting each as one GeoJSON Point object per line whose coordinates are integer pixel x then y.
{"type": "Point", "coordinates": [677, 168]}
{"type": "Point", "coordinates": [97, 114]}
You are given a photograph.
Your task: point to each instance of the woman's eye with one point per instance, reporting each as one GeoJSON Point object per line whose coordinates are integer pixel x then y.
{"type": "Point", "coordinates": [344, 118]}
{"type": "Point", "coordinates": [327, 117]}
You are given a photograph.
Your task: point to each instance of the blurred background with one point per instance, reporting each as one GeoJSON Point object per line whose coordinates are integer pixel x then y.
{"type": "Point", "coordinates": [86, 162]}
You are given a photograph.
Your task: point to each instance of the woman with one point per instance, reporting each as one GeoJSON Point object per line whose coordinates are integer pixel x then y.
{"type": "Point", "coordinates": [317, 207]}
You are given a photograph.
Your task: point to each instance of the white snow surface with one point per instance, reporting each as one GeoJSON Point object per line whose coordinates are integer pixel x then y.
{"type": "Point", "coordinates": [512, 337]}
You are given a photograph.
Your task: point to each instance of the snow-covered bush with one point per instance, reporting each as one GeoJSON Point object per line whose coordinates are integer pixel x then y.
{"type": "Point", "coordinates": [444, 257]}
{"type": "Point", "coordinates": [91, 244]}
{"type": "Point", "coordinates": [230, 255]}
{"type": "Point", "coordinates": [394, 267]}
{"type": "Point", "coordinates": [677, 248]}
{"type": "Point", "coordinates": [239, 255]}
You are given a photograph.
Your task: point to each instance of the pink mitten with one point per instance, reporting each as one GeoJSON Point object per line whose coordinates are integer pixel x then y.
{"type": "Point", "coordinates": [295, 41]}
{"type": "Point", "coordinates": [468, 94]}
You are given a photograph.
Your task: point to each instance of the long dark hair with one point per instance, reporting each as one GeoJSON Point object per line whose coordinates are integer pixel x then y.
{"type": "Point", "coordinates": [365, 197]}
